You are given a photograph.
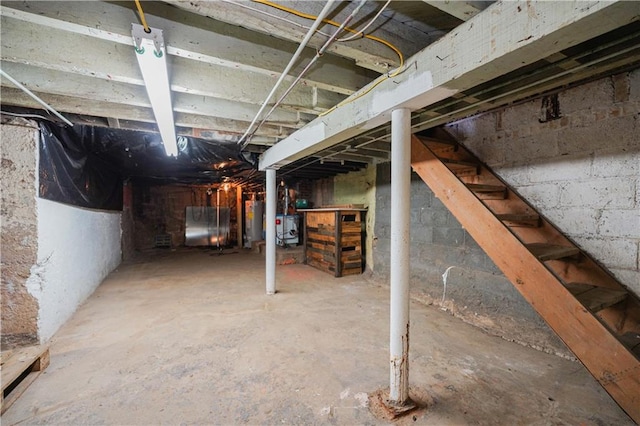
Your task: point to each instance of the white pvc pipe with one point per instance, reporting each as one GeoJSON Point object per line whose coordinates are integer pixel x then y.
{"type": "Point", "coordinates": [35, 97]}
{"type": "Point", "coordinates": [400, 222]}
{"type": "Point", "coordinates": [313, 60]}
{"type": "Point", "coordinates": [272, 195]}
{"type": "Point", "coordinates": [294, 58]}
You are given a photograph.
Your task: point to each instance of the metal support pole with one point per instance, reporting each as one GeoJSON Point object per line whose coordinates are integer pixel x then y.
{"type": "Point", "coordinates": [400, 220]}
{"type": "Point", "coordinates": [239, 217]}
{"type": "Point", "coordinates": [272, 195]}
{"type": "Point", "coordinates": [218, 218]}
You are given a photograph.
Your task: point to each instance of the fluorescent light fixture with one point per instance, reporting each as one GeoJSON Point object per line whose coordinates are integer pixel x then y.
{"type": "Point", "coordinates": [152, 59]}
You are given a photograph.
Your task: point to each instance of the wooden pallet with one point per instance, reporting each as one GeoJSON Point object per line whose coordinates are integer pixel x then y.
{"type": "Point", "coordinates": [20, 367]}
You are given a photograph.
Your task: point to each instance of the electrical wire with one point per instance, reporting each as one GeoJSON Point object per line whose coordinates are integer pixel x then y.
{"type": "Point", "coordinates": [369, 88]}
{"type": "Point", "coordinates": [142, 18]}
{"type": "Point", "coordinates": [366, 90]}
{"type": "Point", "coordinates": [244, 140]}
{"type": "Point", "coordinates": [271, 15]}
{"type": "Point", "coordinates": [335, 24]}
{"type": "Point", "coordinates": [13, 114]}
{"type": "Point", "coordinates": [361, 32]}
{"type": "Point", "coordinates": [313, 60]}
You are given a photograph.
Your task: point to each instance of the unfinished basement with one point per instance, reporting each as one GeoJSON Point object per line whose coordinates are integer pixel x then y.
{"type": "Point", "coordinates": [320, 212]}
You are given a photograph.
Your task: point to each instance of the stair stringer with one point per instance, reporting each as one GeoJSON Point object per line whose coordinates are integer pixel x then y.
{"type": "Point", "coordinates": [612, 365]}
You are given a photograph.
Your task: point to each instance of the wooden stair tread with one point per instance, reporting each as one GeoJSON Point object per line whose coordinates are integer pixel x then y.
{"type": "Point", "coordinates": [544, 251]}
{"type": "Point", "coordinates": [632, 341]}
{"type": "Point", "coordinates": [429, 140]}
{"type": "Point", "coordinates": [596, 298]}
{"type": "Point", "coordinates": [615, 374]}
{"type": "Point", "coordinates": [460, 163]}
{"type": "Point", "coordinates": [532, 220]}
{"type": "Point", "coordinates": [478, 187]}
{"type": "Point", "coordinates": [517, 217]}
{"type": "Point", "coordinates": [488, 192]}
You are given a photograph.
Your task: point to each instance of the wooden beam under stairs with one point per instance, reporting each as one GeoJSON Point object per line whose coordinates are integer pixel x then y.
{"type": "Point", "coordinates": [593, 314]}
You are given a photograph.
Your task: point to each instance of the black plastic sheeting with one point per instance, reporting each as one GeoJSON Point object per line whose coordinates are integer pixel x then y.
{"type": "Point", "coordinates": [85, 165]}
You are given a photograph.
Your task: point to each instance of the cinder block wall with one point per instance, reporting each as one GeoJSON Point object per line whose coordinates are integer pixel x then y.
{"type": "Point", "coordinates": [581, 171]}
{"type": "Point", "coordinates": [359, 188]}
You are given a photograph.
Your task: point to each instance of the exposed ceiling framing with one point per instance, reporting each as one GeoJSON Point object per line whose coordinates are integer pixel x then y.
{"type": "Point", "coordinates": [225, 56]}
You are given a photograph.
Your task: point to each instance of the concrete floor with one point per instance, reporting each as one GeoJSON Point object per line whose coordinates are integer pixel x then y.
{"type": "Point", "coordinates": [190, 337]}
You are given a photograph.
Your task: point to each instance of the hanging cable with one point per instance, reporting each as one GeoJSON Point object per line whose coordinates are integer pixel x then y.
{"type": "Point", "coordinates": [360, 33]}
{"type": "Point", "coordinates": [294, 58]}
{"type": "Point", "coordinates": [143, 21]}
{"type": "Point", "coordinates": [364, 91]}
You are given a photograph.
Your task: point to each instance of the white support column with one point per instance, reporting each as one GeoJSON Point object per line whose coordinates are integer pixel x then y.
{"type": "Point", "coordinates": [400, 222]}
{"type": "Point", "coordinates": [272, 195]}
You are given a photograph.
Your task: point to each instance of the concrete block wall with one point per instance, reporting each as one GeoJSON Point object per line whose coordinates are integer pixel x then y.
{"type": "Point", "coordinates": [582, 171]}
{"type": "Point", "coordinates": [359, 188]}
{"type": "Point", "coordinates": [475, 289]}
{"type": "Point", "coordinates": [53, 255]}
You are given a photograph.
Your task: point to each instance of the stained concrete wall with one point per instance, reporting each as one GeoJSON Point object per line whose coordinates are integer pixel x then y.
{"type": "Point", "coordinates": [475, 289]}
{"type": "Point", "coordinates": [581, 171]}
{"type": "Point", "coordinates": [359, 188]}
{"type": "Point", "coordinates": [18, 230]}
{"type": "Point", "coordinates": [53, 255]}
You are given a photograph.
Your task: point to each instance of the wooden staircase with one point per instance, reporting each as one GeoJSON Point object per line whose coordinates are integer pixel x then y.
{"type": "Point", "coordinates": [594, 315]}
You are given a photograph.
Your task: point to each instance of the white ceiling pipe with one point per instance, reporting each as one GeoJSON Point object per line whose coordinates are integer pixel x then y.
{"type": "Point", "coordinates": [35, 97]}
{"type": "Point", "coordinates": [294, 58]}
{"type": "Point", "coordinates": [313, 61]}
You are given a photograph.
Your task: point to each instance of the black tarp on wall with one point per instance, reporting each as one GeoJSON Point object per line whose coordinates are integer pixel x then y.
{"type": "Point", "coordinates": [85, 165]}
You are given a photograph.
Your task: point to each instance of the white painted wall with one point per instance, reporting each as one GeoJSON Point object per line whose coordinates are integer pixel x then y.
{"type": "Point", "coordinates": [77, 249]}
